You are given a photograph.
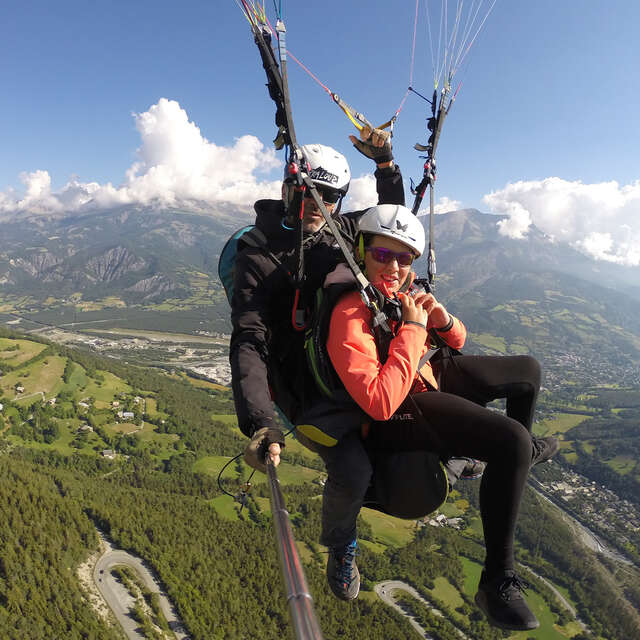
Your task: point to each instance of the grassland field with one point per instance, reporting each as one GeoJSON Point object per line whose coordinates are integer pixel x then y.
{"type": "Point", "coordinates": [388, 530]}
{"type": "Point", "coordinates": [14, 357]}
{"type": "Point", "coordinates": [622, 464]}
{"type": "Point", "coordinates": [560, 423]}
{"type": "Point", "coordinates": [491, 342]}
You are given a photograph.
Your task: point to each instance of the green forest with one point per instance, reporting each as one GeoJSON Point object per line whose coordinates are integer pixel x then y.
{"type": "Point", "coordinates": [148, 480]}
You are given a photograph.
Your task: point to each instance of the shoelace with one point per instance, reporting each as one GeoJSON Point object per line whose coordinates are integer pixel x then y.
{"type": "Point", "coordinates": [345, 563]}
{"type": "Point", "coordinates": [512, 587]}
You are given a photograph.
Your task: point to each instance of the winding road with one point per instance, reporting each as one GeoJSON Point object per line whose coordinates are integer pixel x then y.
{"type": "Point", "coordinates": [120, 601]}
{"type": "Point", "coordinates": [384, 589]}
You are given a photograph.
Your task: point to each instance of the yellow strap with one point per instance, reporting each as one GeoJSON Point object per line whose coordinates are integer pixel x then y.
{"type": "Point", "coordinates": [358, 123]}
{"type": "Point", "coordinates": [317, 435]}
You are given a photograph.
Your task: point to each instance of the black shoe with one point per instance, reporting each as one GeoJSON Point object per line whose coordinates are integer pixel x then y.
{"type": "Point", "coordinates": [473, 469]}
{"type": "Point", "coordinates": [342, 572]}
{"type": "Point", "coordinates": [465, 468]}
{"type": "Point", "coordinates": [544, 449]}
{"type": "Point", "coordinates": [502, 601]}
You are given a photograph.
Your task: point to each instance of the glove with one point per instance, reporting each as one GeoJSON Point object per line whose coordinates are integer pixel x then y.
{"type": "Point", "coordinates": [375, 144]}
{"type": "Point", "coordinates": [256, 450]}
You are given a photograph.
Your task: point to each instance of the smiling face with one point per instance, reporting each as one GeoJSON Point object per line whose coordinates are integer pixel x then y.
{"type": "Point", "coordinates": [391, 274]}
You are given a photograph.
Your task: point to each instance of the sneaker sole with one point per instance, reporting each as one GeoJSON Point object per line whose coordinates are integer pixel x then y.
{"type": "Point", "coordinates": [341, 595]}
{"type": "Point", "coordinates": [481, 601]}
{"type": "Point", "coordinates": [475, 476]}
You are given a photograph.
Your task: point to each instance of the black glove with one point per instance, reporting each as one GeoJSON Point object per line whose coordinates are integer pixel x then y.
{"type": "Point", "coordinates": [367, 148]}
{"type": "Point", "coordinates": [256, 450]}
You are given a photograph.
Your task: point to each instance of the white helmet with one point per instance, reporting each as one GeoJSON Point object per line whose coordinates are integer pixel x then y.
{"type": "Point", "coordinates": [394, 221]}
{"type": "Point", "coordinates": [328, 168]}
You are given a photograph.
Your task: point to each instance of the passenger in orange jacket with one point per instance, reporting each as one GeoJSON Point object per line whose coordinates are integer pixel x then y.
{"type": "Point", "coordinates": [408, 410]}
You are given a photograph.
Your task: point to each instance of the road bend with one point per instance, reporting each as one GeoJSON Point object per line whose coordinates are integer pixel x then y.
{"type": "Point", "coordinates": [120, 601]}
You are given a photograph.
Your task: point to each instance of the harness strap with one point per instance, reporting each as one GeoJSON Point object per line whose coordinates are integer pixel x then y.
{"type": "Point", "coordinates": [427, 356]}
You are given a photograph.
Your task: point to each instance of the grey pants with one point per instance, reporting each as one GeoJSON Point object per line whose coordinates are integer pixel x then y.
{"type": "Point", "coordinates": [349, 474]}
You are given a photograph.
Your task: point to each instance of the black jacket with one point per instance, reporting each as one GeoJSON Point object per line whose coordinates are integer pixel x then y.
{"type": "Point", "coordinates": [266, 353]}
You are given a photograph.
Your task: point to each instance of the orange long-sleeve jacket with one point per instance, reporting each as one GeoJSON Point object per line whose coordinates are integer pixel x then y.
{"type": "Point", "coordinates": [380, 389]}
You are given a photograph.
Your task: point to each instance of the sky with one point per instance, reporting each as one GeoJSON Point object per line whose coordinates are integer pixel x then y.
{"type": "Point", "coordinates": [164, 103]}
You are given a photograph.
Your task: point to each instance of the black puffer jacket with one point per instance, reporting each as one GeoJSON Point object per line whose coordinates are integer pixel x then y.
{"type": "Point", "coordinates": [266, 353]}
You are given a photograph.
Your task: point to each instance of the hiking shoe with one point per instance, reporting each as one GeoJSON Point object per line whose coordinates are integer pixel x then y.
{"type": "Point", "coordinates": [473, 469]}
{"type": "Point", "coordinates": [502, 602]}
{"type": "Point", "coordinates": [466, 468]}
{"type": "Point", "coordinates": [544, 449]}
{"type": "Point", "coordinates": [342, 572]}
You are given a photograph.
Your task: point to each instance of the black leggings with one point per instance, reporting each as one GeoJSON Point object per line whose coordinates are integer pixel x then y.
{"type": "Point", "coordinates": [460, 425]}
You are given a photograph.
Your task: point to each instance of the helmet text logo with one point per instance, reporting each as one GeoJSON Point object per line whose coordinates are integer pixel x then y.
{"type": "Point", "coordinates": [322, 174]}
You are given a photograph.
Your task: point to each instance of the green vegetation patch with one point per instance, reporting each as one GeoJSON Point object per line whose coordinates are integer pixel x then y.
{"type": "Point", "coordinates": [15, 356]}
{"type": "Point", "coordinates": [547, 629]}
{"type": "Point", "coordinates": [229, 420]}
{"type": "Point", "coordinates": [451, 510]}
{"type": "Point", "coordinates": [106, 387]}
{"type": "Point", "coordinates": [36, 377]}
{"type": "Point", "coordinates": [562, 422]}
{"type": "Point", "coordinates": [387, 529]}
{"type": "Point", "coordinates": [78, 379]}
{"type": "Point", "coordinates": [518, 349]}
{"type": "Point", "coordinates": [495, 343]}
{"type": "Point", "coordinates": [622, 464]}
{"type": "Point", "coordinates": [68, 431]}
{"type": "Point", "coordinates": [472, 571]}
{"type": "Point", "coordinates": [204, 384]}
{"type": "Point", "coordinates": [151, 409]}
{"type": "Point", "coordinates": [446, 592]}
{"type": "Point", "coordinates": [264, 504]}
{"type": "Point", "coordinates": [293, 446]}
{"type": "Point", "coordinates": [212, 465]}
{"type": "Point", "coordinates": [305, 552]}
{"type": "Point", "coordinates": [123, 427]}
{"type": "Point", "coordinates": [376, 547]}
{"type": "Point", "coordinates": [291, 474]}
{"type": "Point", "coordinates": [226, 507]}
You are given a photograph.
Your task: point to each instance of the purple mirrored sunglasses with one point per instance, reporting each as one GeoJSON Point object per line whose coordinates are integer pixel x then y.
{"type": "Point", "coordinates": [380, 254]}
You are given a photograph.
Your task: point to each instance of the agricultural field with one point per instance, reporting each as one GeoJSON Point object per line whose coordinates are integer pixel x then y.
{"type": "Point", "coordinates": [560, 423]}
{"type": "Point", "coordinates": [16, 352]}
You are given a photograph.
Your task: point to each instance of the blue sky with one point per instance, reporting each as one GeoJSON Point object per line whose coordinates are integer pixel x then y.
{"type": "Point", "coordinates": [550, 91]}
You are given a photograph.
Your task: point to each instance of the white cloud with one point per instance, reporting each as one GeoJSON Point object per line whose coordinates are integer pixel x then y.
{"type": "Point", "coordinates": [599, 219]}
{"type": "Point", "coordinates": [362, 193]}
{"type": "Point", "coordinates": [175, 166]}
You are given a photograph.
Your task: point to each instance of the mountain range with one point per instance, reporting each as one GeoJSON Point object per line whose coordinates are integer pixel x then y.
{"type": "Point", "coordinates": [579, 315]}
